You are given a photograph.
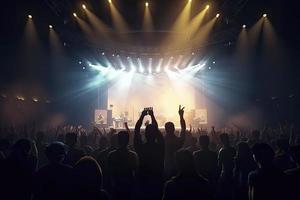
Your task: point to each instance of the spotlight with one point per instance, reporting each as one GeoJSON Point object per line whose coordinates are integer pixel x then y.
{"type": "Point", "coordinates": [193, 53]}
{"type": "Point", "coordinates": [265, 15]}
{"type": "Point", "coordinates": [83, 68]}
{"type": "Point", "coordinates": [207, 7]}
{"type": "Point", "coordinates": [30, 16]}
{"type": "Point", "coordinates": [83, 6]}
{"type": "Point", "coordinates": [217, 15]}
{"type": "Point", "coordinates": [244, 26]}
{"type": "Point", "coordinates": [146, 4]}
{"type": "Point", "coordinates": [35, 99]}
{"type": "Point", "coordinates": [74, 14]}
{"type": "Point", "coordinates": [113, 55]}
{"type": "Point", "coordinates": [157, 69]}
{"type": "Point", "coordinates": [190, 1]}
{"type": "Point", "coordinates": [50, 26]}
{"type": "Point", "coordinates": [214, 62]}
{"type": "Point", "coordinates": [103, 53]}
{"type": "Point", "coordinates": [109, 1]}
{"type": "Point", "coordinates": [209, 67]}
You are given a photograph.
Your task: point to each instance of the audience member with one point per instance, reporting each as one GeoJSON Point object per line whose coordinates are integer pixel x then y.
{"type": "Point", "coordinates": [266, 182]}
{"type": "Point", "coordinates": [151, 157]}
{"type": "Point", "coordinates": [173, 143]}
{"type": "Point", "coordinates": [187, 184]}
{"type": "Point", "coordinates": [123, 166]}
{"type": "Point", "coordinates": [73, 153]}
{"type": "Point", "coordinates": [88, 180]}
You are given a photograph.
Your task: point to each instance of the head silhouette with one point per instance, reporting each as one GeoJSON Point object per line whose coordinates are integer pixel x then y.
{"type": "Point", "coordinates": [263, 154]}
{"type": "Point", "coordinates": [56, 152]}
{"type": "Point", "coordinates": [169, 127]}
{"type": "Point", "coordinates": [224, 139]}
{"type": "Point", "coordinates": [71, 139]}
{"type": "Point", "coordinates": [150, 133]}
{"type": "Point", "coordinates": [21, 148]}
{"type": "Point", "coordinates": [184, 161]}
{"type": "Point", "coordinates": [204, 141]}
{"type": "Point", "coordinates": [88, 173]}
{"type": "Point", "coordinates": [123, 139]}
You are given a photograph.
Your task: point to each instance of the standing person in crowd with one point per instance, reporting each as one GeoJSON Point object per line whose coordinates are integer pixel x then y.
{"type": "Point", "coordinates": [266, 182]}
{"type": "Point", "coordinates": [102, 159]}
{"type": "Point", "coordinates": [187, 184]}
{"type": "Point", "coordinates": [123, 166]}
{"type": "Point", "coordinates": [74, 153]}
{"type": "Point", "coordinates": [151, 157]}
{"type": "Point", "coordinates": [244, 164]}
{"type": "Point", "coordinates": [206, 161]}
{"type": "Point", "coordinates": [17, 171]}
{"type": "Point", "coordinates": [88, 180]}
{"type": "Point", "coordinates": [53, 181]}
{"type": "Point", "coordinates": [173, 143]}
{"type": "Point", "coordinates": [226, 164]}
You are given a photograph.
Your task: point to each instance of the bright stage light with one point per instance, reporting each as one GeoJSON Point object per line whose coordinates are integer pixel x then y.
{"type": "Point", "coordinates": [141, 69]}
{"type": "Point", "coordinates": [190, 1]}
{"type": "Point", "coordinates": [103, 53]}
{"type": "Point", "coordinates": [207, 7]}
{"type": "Point", "coordinates": [109, 1]}
{"type": "Point", "coordinates": [83, 6]}
{"type": "Point", "coordinates": [244, 26]}
{"type": "Point", "coordinates": [218, 15]}
{"type": "Point", "coordinates": [30, 16]}
{"type": "Point", "coordinates": [50, 26]}
{"type": "Point", "coordinates": [265, 15]}
{"type": "Point", "coordinates": [146, 4]}
{"type": "Point", "coordinates": [74, 14]}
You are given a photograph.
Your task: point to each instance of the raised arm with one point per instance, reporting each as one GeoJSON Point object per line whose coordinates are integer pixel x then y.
{"type": "Point", "coordinates": [137, 140]}
{"type": "Point", "coordinates": [153, 120]}
{"type": "Point", "coordinates": [182, 121]}
{"type": "Point", "coordinates": [182, 124]}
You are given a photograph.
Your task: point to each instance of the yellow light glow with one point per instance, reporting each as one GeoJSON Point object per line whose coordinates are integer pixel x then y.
{"type": "Point", "coordinates": [146, 4]}
{"type": "Point", "coordinates": [21, 98]}
{"type": "Point", "coordinates": [265, 15]}
{"type": "Point", "coordinates": [190, 1]}
{"type": "Point", "coordinates": [74, 14]}
{"type": "Point", "coordinates": [83, 6]}
{"type": "Point", "coordinates": [109, 1]}
{"type": "Point", "coordinates": [217, 15]}
{"type": "Point", "coordinates": [207, 7]}
{"type": "Point", "coordinates": [50, 26]}
{"type": "Point", "coordinates": [30, 16]}
{"type": "Point", "coordinates": [244, 26]}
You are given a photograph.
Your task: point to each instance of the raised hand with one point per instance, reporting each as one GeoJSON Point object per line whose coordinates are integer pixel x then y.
{"type": "Point", "coordinates": [181, 110]}
{"type": "Point", "coordinates": [144, 112]}
{"type": "Point", "coordinates": [150, 112]}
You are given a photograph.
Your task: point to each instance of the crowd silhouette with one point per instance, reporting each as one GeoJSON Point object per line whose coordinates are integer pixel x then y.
{"type": "Point", "coordinates": [149, 163]}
